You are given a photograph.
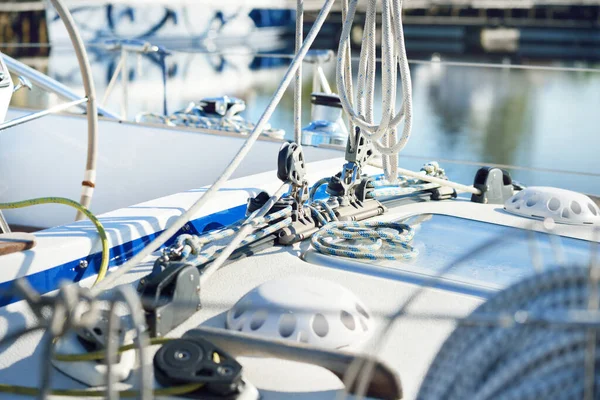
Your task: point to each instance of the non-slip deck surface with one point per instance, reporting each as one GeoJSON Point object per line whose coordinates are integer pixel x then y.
{"type": "Point", "coordinates": [409, 348]}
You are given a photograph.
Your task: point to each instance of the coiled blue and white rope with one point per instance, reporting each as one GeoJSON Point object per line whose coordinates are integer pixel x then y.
{"type": "Point", "coordinates": [374, 240]}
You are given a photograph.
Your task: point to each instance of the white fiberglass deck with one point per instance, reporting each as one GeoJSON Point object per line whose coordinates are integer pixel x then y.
{"type": "Point", "coordinates": [412, 343]}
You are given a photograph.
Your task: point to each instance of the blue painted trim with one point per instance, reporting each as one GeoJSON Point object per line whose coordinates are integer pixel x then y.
{"type": "Point", "coordinates": [48, 280]}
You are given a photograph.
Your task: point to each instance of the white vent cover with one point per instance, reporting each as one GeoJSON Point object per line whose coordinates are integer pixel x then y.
{"type": "Point", "coordinates": [303, 309]}
{"type": "Point", "coordinates": [563, 206]}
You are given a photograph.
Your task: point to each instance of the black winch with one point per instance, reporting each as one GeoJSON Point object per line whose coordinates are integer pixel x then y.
{"type": "Point", "coordinates": [196, 360]}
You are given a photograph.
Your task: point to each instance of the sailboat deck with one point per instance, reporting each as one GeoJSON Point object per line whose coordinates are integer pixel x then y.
{"type": "Point", "coordinates": [412, 342]}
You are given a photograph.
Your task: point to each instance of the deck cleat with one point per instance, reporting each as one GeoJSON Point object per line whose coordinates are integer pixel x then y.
{"type": "Point", "coordinates": [495, 185]}
{"type": "Point", "coordinates": [170, 296]}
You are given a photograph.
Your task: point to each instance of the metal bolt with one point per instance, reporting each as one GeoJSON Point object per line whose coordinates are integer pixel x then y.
{"type": "Point", "coordinates": [157, 316]}
{"type": "Point", "coordinates": [225, 371]}
{"type": "Point", "coordinates": [83, 264]}
{"type": "Point", "coordinates": [182, 355]}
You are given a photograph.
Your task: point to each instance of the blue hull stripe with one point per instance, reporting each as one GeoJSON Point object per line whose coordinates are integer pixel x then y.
{"type": "Point", "coordinates": [49, 279]}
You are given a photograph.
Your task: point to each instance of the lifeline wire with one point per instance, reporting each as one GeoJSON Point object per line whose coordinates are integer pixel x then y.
{"type": "Point", "coordinates": [233, 165]}
{"type": "Point", "coordinates": [547, 68]}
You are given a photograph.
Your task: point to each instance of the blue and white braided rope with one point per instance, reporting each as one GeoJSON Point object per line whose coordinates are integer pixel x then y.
{"type": "Point", "coordinates": [374, 240]}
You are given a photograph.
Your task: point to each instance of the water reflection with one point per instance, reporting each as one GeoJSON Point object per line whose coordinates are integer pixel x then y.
{"type": "Point", "coordinates": [492, 108]}
{"type": "Point", "coordinates": [544, 119]}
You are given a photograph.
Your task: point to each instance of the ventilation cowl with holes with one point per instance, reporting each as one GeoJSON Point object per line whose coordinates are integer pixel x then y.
{"type": "Point", "coordinates": [302, 309]}
{"type": "Point", "coordinates": [563, 206]}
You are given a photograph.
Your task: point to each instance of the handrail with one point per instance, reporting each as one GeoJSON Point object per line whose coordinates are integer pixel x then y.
{"type": "Point", "coordinates": [138, 47]}
{"type": "Point", "coordinates": [40, 114]}
{"type": "Point", "coordinates": [46, 83]}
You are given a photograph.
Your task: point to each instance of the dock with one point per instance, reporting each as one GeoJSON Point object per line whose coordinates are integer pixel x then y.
{"type": "Point", "coordinates": [521, 29]}
{"type": "Point", "coordinates": [517, 28]}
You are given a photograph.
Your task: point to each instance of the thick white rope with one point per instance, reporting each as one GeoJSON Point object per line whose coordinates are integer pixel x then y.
{"type": "Point", "coordinates": [460, 188]}
{"type": "Point", "coordinates": [298, 81]}
{"type": "Point", "coordinates": [347, 61]}
{"type": "Point", "coordinates": [383, 135]}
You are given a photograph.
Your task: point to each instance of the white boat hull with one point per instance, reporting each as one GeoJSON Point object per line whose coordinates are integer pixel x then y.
{"type": "Point", "coordinates": [136, 163]}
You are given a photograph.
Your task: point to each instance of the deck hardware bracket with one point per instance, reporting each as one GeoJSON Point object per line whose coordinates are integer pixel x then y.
{"type": "Point", "coordinates": [94, 338]}
{"type": "Point", "coordinates": [255, 203]}
{"type": "Point", "coordinates": [385, 383]}
{"type": "Point", "coordinates": [495, 185]}
{"type": "Point", "coordinates": [345, 183]}
{"type": "Point", "coordinates": [85, 340]}
{"type": "Point", "coordinates": [170, 297]}
{"type": "Point", "coordinates": [291, 168]}
{"type": "Point", "coordinates": [297, 231]}
{"type": "Point", "coordinates": [443, 193]}
{"type": "Point", "coordinates": [196, 360]}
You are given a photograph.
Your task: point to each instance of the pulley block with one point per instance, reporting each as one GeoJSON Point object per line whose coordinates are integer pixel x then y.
{"type": "Point", "coordinates": [170, 297]}
{"type": "Point", "coordinates": [196, 360]}
{"type": "Point", "coordinates": [290, 164]}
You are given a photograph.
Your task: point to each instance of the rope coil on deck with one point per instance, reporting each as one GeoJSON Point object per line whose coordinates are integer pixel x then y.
{"type": "Point", "coordinates": [366, 240]}
{"type": "Point", "coordinates": [542, 350]}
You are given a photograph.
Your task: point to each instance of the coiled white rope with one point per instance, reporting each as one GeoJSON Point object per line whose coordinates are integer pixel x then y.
{"type": "Point", "coordinates": [366, 240]}
{"type": "Point", "coordinates": [383, 135]}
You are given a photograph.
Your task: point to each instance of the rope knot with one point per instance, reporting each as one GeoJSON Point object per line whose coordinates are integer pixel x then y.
{"type": "Point", "coordinates": [432, 168]}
